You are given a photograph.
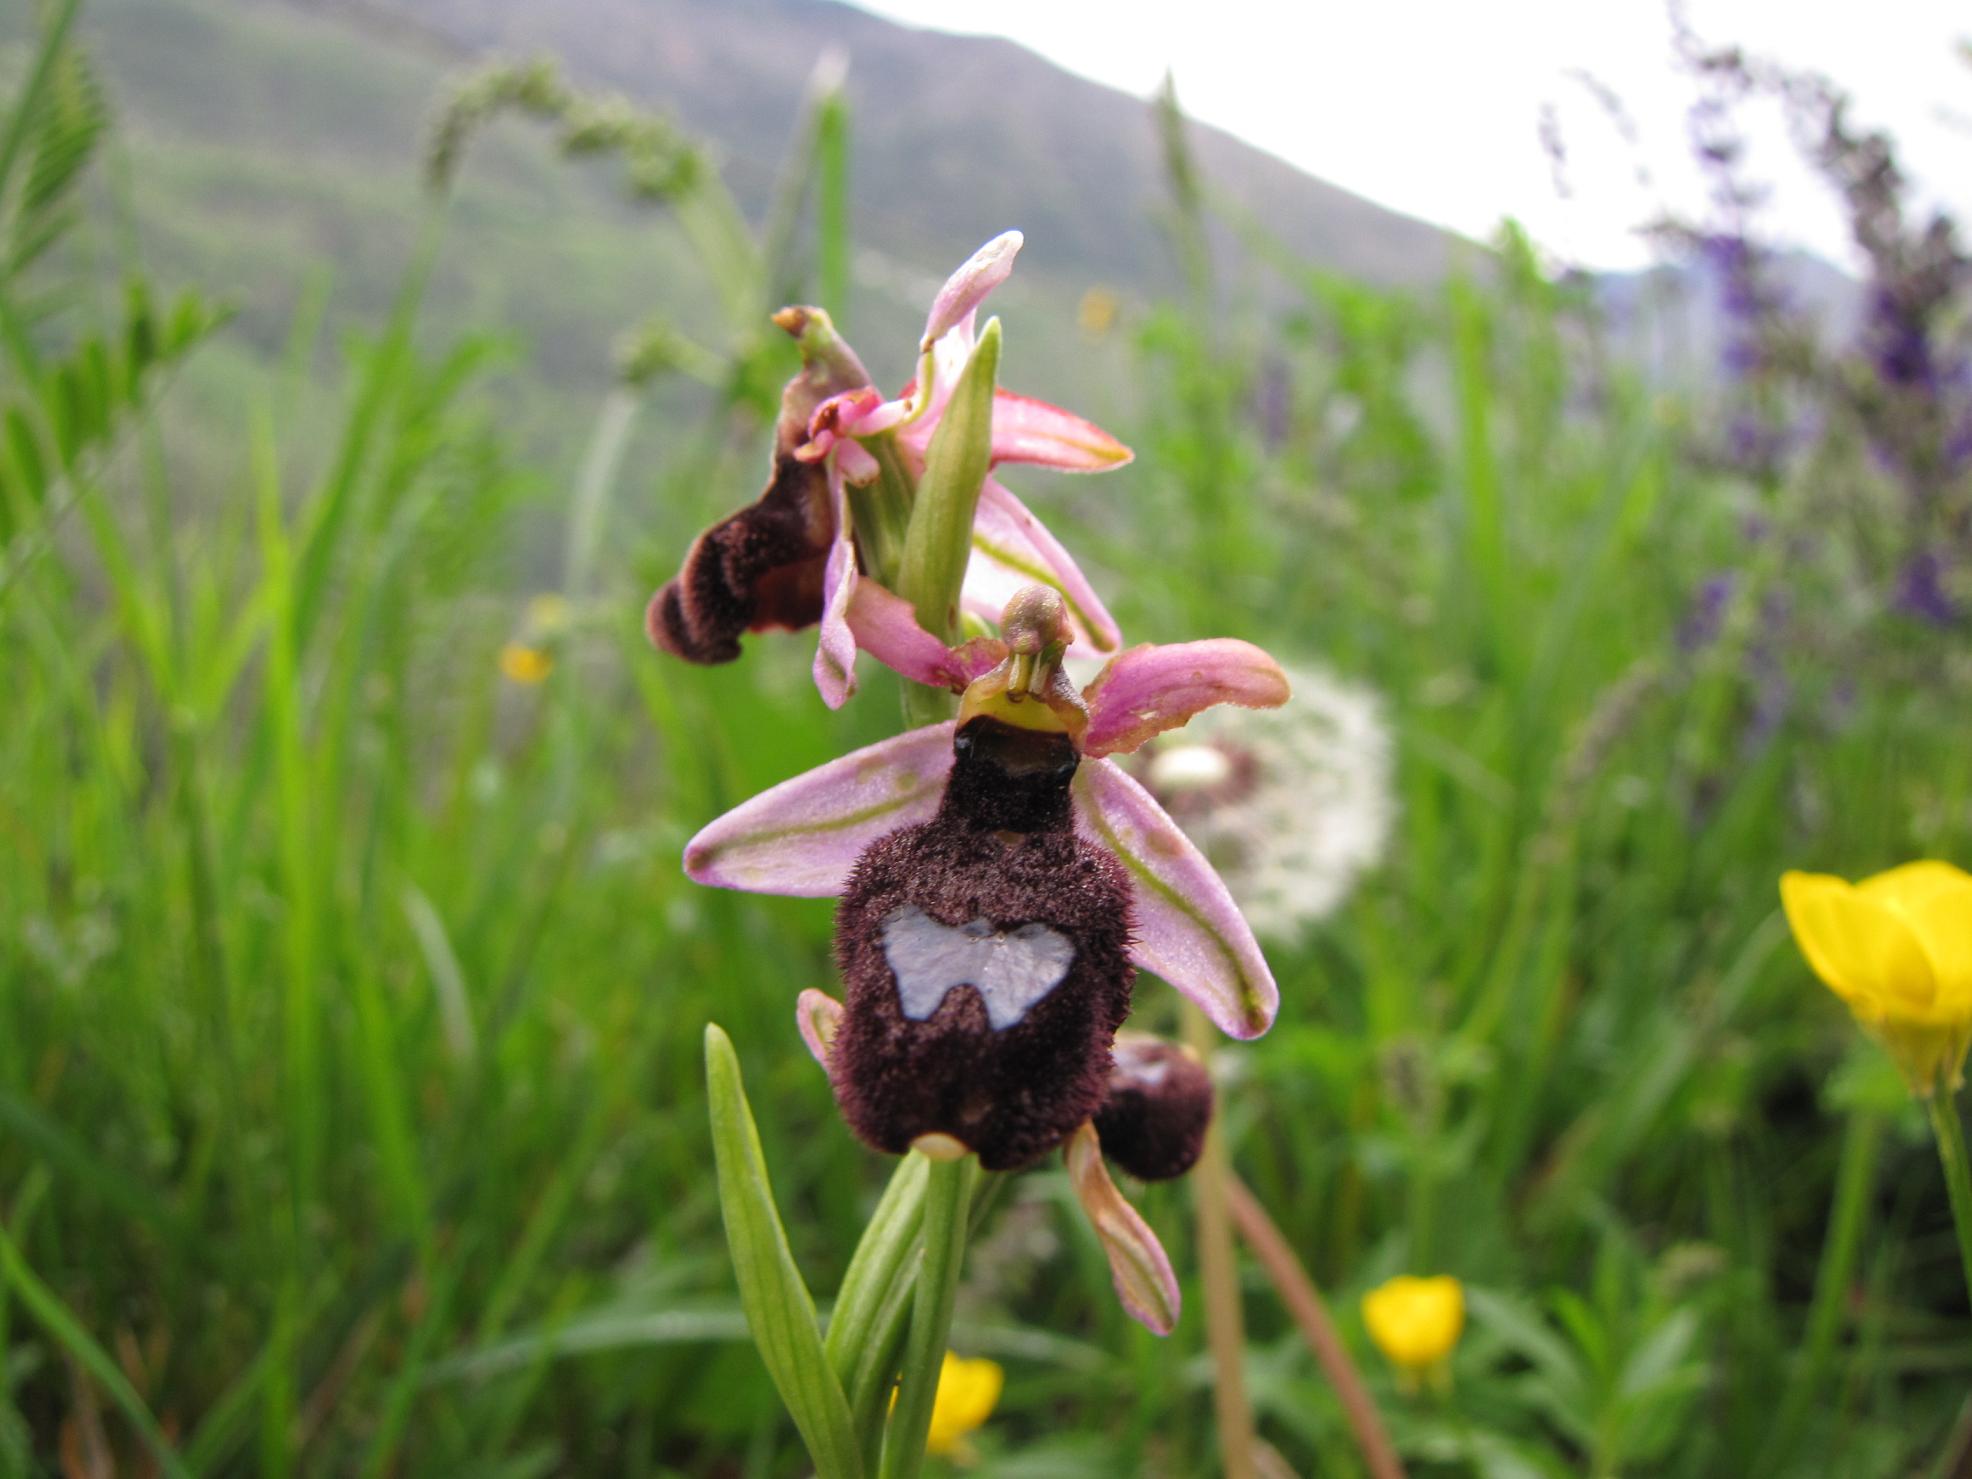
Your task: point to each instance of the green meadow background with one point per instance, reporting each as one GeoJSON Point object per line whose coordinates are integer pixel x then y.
{"type": "Point", "coordinates": [351, 996]}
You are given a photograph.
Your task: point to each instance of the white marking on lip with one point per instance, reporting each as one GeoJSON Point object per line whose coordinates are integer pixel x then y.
{"type": "Point", "coordinates": [1010, 969]}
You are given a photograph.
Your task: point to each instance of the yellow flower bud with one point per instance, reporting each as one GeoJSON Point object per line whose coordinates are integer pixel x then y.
{"type": "Point", "coordinates": [1897, 948]}
{"type": "Point", "coordinates": [1415, 1323]}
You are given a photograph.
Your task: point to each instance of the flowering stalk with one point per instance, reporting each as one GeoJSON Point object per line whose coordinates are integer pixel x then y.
{"type": "Point", "coordinates": [948, 1198]}
{"type": "Point", "coordinates": [1224, 1329]}
{"type": "Point", "coordinates": [937, 546]}
{"type": "Point", "coordinates": [1304, 1302]}
{"type": "Point", "coordinates": [867, 1323]}
{"type": "Point", "coordinates": [1853, 1184]}
{"type": "Point", "coordinates": [1950, 1130]}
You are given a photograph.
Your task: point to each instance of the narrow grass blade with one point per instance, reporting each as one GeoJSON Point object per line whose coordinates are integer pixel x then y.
{"type": "Point", "coordinates": [67, 1332]}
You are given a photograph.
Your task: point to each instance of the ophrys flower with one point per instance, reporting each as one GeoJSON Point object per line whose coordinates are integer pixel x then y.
{"type": "Point", "coordinates": [796, 556]}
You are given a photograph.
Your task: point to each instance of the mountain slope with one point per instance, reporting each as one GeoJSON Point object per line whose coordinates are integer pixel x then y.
{"type": "Point", "coordinates": [955, 136]}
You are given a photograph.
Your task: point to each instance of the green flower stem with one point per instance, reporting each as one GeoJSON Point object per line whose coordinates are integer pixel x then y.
{"type": "Point", "coordinates": [881, 511]}
{"type": "Point", "coordinates": [948, 1195]}
{"type": "Point", "coordinates": [1945, 1123]}
{"type": "Point", "coordinates": [874, 1381]}
{"type": "Point", "coordinates": [1853, 1181]}
{"type": "Point", "coordinates": [866, 1327]}
{"type": "Point", "coordinates": [1225, 1329]}
{"type": "Point", "coordinates": [887, 1242]}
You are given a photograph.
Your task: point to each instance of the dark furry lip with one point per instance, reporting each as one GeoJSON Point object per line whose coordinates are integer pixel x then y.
{"type": "Point", "coordinates": [759, 568]}
{"type": "Point", "coordinates": [986, 956]}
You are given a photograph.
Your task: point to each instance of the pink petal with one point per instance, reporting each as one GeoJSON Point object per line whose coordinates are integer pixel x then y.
{"type": "Point", "coordinates": [1027, 430]}
{"type": "Point", "coordinates": [1144, 1280]}
{"type": "Point", "coordinates": [818, 1016]}
{"type": "Point", "coordinates": [1150, 689]}
{"type": "Point", "coordinates": [1188, 929]}
{"type": "Point", "coordinates": [1010, 549]}
{"type": "Point", "coordinates": [836, 420]}
{"type": "Point", "coordinates": [887, 629]}
{"type": "Point", "coordinates": [967, 288]}
{"type": "Point", "coordinates": [835, 648]}
{"type": "Point", "coordinates": [803, 836]}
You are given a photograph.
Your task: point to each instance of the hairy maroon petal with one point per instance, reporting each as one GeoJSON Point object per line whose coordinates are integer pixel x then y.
{"type": "Point", "coordinates": [759, 568]}
{"type": "Point", "coordinates": [986, 954]}
{"type": "Point", "coordinates": [945, 928]}
{"type": "Point", "coordinates": [1154, 1119]}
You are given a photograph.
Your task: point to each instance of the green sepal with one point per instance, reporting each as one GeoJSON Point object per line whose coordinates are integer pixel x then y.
{"type": "Point", "coordinates": [939, 541]}
{"type": "Point", "coordinates": [779, 1310]}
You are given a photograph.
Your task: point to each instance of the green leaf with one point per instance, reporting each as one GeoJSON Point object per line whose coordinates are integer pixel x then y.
{"type": "Point", "coordinates": [779, 1309]}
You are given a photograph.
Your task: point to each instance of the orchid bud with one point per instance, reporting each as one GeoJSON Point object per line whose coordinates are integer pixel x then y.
{"type": "Point", "coordinates": [1158, 1107]}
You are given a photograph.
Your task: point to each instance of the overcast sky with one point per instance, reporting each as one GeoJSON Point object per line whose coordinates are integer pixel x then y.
{"type": "Point", "coordinates": [1435, 108]}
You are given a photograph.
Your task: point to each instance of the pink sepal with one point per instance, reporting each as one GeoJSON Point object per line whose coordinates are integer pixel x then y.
{"type": "Point", "coordinates": [803, 836]}
{"type": "Point", "coordinates": [818, 1016]}
{"type": "Point", "coordinates": [887, 629]}
{"type": "Point", "coordinates": [1010, 549]}
{"type": "Point", "coordinates": [1188, 929]}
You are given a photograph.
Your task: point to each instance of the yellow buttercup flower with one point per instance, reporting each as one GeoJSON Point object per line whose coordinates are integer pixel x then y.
{"type": "Point", "coordinates": [523, 663]}
{"type": "Point", "coordinates": [1898, 949]}
{"type": "Point", "coordinates": [1415, 1323]}
{"type": "Point", "coordinates": [530, 657]}
{"type": "Point", "coordinates": [967, 1393]}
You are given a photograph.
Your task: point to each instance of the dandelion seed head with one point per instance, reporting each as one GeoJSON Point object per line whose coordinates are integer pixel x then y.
{"type": "Point", "coordinates": [1292, 805]}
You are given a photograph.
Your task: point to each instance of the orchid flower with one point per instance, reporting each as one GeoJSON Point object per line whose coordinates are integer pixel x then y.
{"type": "Point", "coordinates": [793, 558]}
{"type": "Point", "coordinates": [1000, 881]}
{"type": "Point", "coordinates": [804, 836]}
